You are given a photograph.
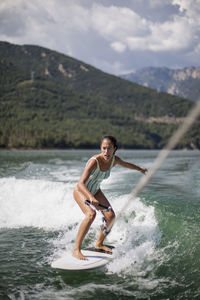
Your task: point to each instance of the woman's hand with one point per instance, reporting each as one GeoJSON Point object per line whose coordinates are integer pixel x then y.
{"type": "Point", "coordinates": [143, 170]}
{"type": "Point", "coordinates": [94, 201]}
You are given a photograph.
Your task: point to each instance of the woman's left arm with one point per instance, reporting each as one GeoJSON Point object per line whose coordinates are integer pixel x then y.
{"type": "Point", "coordinates": [125, 164]}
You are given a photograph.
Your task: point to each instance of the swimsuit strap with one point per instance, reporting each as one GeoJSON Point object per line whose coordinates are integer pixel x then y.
{"type": "Point", "coordinates": [96, 161]}
{"type": "Point", "coordinates": [113, 159]}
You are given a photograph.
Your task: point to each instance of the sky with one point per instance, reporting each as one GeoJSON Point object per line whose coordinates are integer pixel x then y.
{"type": "Point", "coordinates": [116, 36]}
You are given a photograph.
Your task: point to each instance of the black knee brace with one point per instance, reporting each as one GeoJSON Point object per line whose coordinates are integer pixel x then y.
{"type": "Point", "coordinates": [104, 227]}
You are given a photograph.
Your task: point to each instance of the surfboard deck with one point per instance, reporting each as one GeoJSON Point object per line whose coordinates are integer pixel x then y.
{"type": "Point", "coordinates": [96, 258]}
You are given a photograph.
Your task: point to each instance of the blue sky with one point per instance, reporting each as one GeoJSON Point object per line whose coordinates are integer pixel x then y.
{"type": "Point", "coordinates": [117, 36]}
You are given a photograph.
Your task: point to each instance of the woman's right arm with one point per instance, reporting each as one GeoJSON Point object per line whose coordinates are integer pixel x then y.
{"type": "Point", "coordinates": [91, 166]}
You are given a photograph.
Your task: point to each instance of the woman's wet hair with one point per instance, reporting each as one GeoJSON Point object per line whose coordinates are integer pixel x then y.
{"type": "Point", "coordinates": [112, 139]}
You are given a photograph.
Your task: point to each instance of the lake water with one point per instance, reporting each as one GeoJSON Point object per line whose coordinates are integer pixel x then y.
{"type": "Point", "coordinates": [157, 240]}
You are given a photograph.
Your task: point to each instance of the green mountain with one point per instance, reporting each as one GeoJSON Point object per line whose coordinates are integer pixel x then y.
{"type": "Point", "coordinates": [181, 82]}
{"type": "Point", "coordinates": [48, 99]}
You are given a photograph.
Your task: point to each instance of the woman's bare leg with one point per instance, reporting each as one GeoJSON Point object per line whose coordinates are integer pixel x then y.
{"type": "Point", "coordinates": [109, 216]}
{"type": "Point", "coordinates": [84, 226]}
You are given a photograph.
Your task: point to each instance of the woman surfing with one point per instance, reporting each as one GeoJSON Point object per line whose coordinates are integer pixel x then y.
{"type": "Point", "coordinates": [88, 188]}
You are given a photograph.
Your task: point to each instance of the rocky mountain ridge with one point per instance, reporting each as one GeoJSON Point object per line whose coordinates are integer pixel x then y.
{"type": "Point", "coordinates": [181, 82]}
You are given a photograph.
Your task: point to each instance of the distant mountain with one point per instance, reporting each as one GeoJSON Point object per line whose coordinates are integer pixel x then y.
{"type": "Point", "coordinates": [49, 100]}
{"type": "Point", "coordinates": [184, 82]}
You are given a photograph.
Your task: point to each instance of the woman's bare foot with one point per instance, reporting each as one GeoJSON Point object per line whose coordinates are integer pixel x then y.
{"type": "Point", "coordinates": [79, 255]}
{"type": "Point", "coordinates": [103, 247]}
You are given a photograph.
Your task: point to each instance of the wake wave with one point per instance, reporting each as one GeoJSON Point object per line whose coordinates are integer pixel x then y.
{"type": "Point", "coordinates": [50, 206]}
{"type": "Point", "coordinates": [140, 237]}
{"type": "Point", "coordinates": [36, 203]}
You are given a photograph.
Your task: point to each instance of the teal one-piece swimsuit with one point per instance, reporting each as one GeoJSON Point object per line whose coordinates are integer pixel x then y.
{"type": "Point", "coordinates": [97, 176]}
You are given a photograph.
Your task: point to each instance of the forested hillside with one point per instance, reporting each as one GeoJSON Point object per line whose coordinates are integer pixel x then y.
{"type": "Point", "coordinates": [48, 99]}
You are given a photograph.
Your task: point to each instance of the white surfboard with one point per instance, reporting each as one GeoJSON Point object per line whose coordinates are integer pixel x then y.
{"type": "Point", "coordinates": [96, 259]}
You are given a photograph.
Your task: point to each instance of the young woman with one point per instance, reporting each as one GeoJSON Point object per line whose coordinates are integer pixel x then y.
{"type": "Point", "coordinates": [88, 188]}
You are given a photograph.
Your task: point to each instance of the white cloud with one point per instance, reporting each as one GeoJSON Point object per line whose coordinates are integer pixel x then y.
{"type": "Point", "coordinates": [120, 26]}
{"type": "Point", "coordinates": [123, 28]}
{"type": "Point", "coordinates": [170, 36]}
{"type": "Point", "coordinates": [118, 47]}
{"type": "Point", "coordinates": [116, 22]}
{"type": "Point", "coordinates": [51, 24]}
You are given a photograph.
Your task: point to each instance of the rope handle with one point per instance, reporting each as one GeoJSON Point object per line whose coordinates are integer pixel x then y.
{"type": "Point", "coordinates": [107, 208]}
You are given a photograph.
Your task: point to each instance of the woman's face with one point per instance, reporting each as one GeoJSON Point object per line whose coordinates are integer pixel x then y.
{"type": "Point", "coordinates": [107, 149]}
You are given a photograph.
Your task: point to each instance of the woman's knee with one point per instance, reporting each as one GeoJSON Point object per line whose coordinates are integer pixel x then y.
{"type": "Point", "coordinates": [110, 216]}
{"type": "Point", "coordinates": [91, 215]}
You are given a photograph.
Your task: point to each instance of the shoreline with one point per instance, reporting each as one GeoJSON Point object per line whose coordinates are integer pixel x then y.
{"type": "Point", "coordinates": [64, 149]}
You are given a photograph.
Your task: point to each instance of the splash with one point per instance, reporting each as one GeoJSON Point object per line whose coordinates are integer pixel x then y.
{"type": "Point", "coordinates": [139, 237]}
{"type": "Point", "coordinates": [37, 203]}
{"type": "Point", "coordinates": [49, 205]}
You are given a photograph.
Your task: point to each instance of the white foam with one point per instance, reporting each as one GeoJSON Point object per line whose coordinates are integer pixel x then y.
{"type": "Point", "coordinates": [140, 235]}
{"type": "Point", "coordinates": [66, 174]}
{"type": "Point", "coordinates": [50, 205]}
{"type": "Point", "coordinates": [37, 203]}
